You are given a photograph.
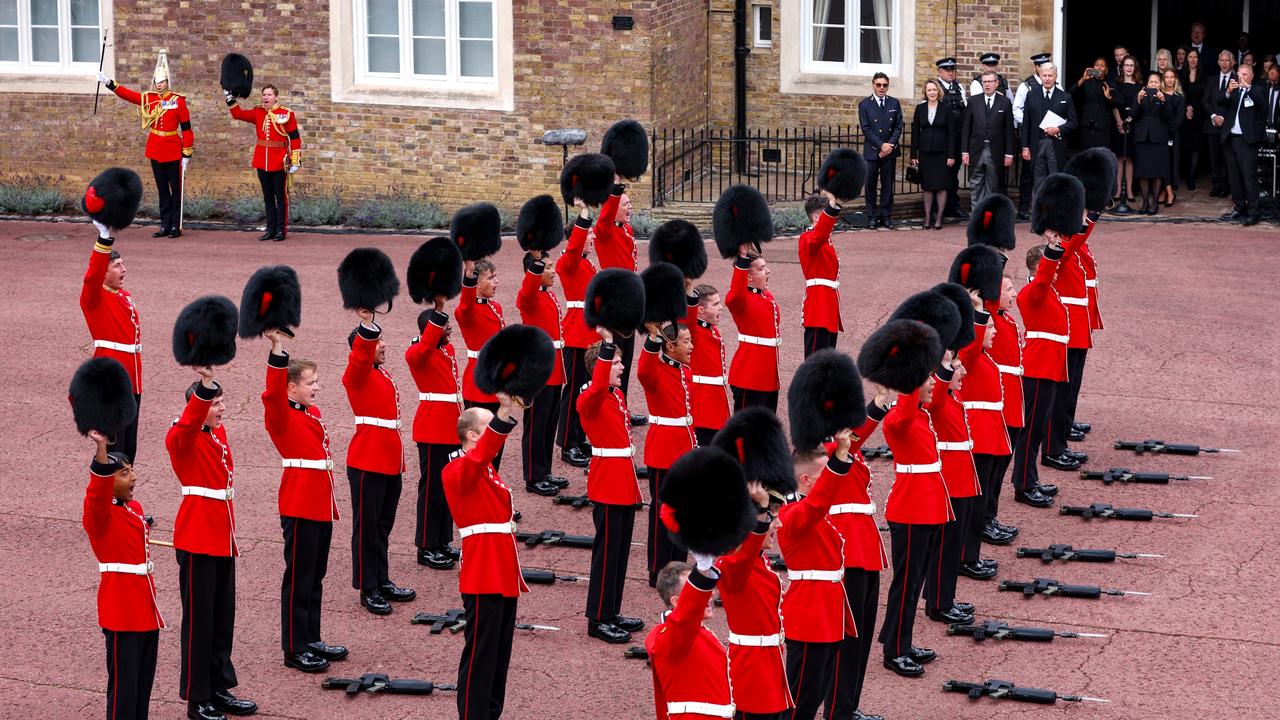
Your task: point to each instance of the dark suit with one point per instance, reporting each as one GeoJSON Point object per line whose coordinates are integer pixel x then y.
{"type": "Point", "coordinates": [987, 136]}
{"type": "Point", "coordinates": [879, 126]}
{"type": "Point", "coordinates": [954, 98]}
{"type": "Point", "coordinates": [1048, 154]}
{"type": "Point", "coordinates": [933, 144]}
{"type": "Point", "coordinates": [1241, 148]}
{"type": "Point", "coordinates": [1213, 94]}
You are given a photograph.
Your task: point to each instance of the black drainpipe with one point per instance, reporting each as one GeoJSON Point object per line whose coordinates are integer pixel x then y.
{"type": "Point", "coordinates": [740, 52]}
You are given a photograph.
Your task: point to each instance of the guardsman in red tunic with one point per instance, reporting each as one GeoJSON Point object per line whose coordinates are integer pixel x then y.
{"type": "Point", "coordinates": [1071, 284]}
{"type": "Point", "coordinates": [114, 324]}
{"type": "Point", "coordinates": [690, 666]}
{"type": "Point", "coordinates": [821, 267]}
{"type": "Point", "coordinates": [479, 318]}
{"type": "Point", "coordinates": [204, 541]}
{"type": "Point", "coordinates": [127, 610]}
{"type": "Point", "coordinates": [575, 270]}
{"type": "Point", "coordinates": [753, 373]}
{"type": "Point", "coordinates": [276, 156]}
{"type": "Point", "coordinates": [1006, 352]}
{"type": "Point", "coordinates": [709, 397]}
{"type": "Point", "coordinates": [490, 579]}
{"type": "Point", "coordinates": [434, 367]}
{"type": "Point", "coordinates": [613, 490]}
{"type": "Point", "coordinates": [1090, 264]}
{"type": "Point", "coordinates": [540, 308]}
{"type": "Point", "coordinates": [375, 465]}
{"type": "Point", "coordinates": [616, 248]}
{"type": "Point", "coordinates": [170, 140]}
{"type": "Point", "coordinates": [664, 373]}
{"type": "Point", "coordinates": [308, 505]}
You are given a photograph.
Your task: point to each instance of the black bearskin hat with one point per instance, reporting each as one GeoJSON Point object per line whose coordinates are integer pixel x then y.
{"type": "Point", "coordinates": [627, 144]}
{"type": "Point", "coordinates": [237, 75]}
{"type": "Point", "coordinates": [615, 299]}
{"type": "Point", "coordinates": [435, 268]}
{"type": "Point", "coordinates": [477, 230]}
{"type": "Point", "coordinates": [272, 300]}
{"type": "Point", "coordinates": [825, 397]}
{"type": "Point", "coordinates": [664, 298]}
{"type": "Point", "coordinates": [959, 296]}
{"type": "Point", "coordinates": [900, 355]}
{"type": "Point", "coordinates": [981, 268]}
{"type": "Point", "coordinates": [934, 310]}
{"type": "Point", "coordinates": [517, 361]}
{"type": "Point", "coordinates": [842, 174]}
{"type": "Point", "coordinates": [112, 198]}
{"type": "Point", "coordinates": [205, 332]}
{"type": "Point", "coordinates": [540, 225]}
{"type": "Point", "coordinates": [679, 243]}
{"type": "Point", "coordinates": [1095, 168]}
{"type": "Point", "coordinates": [741, 216]}
{"type": "Point", "coordinates": [991, 223]}
{"type": "Point", "coordinates": [101, 396]}
{"type": "Point", "coordinates": [705, 505]}
{"type": "Point", "coordinates": [1058, 205]}
{"type": "Point", "coordinates": [754, 436]}
{"type": "Point", "coordinates": [367, 280]}
{"type": "Point", "coordinates": [588, 176]}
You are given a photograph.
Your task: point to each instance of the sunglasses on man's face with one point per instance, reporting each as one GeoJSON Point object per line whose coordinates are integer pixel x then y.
{"type": "Point", "coordinates": [882, 84]}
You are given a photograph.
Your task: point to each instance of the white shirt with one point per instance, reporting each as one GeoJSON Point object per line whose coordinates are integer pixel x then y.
{"type": "Point", "coordinates": [1244, 93]}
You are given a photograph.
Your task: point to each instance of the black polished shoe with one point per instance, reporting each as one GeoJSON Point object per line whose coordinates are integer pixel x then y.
{"type": "Point", "coordinates": [1085, 428]}
{"type": "Point", "coordinates": [1074, 435]}
{"type": "Point", "coordinates": [904, 666]}
{"type": "Point", "coordinates": [1060, 462]}
{"type": "Point", "coordinates": [1009, 529]}
{"type": "Point", "coordinates": [977, 571]}
{"type": "Point", "coordinates": [306, 661]}
{"type": "Point", "coordinates": [176, 233]}
{"type": "Point", "coordinates": [1233, 216]}
{"type": "Point", "coordinates": [453, 552]}
{"type": "Point", "coordinates": [558, 481]}
{"type": "Point", "coordinates": [435, 559]}
{"type": "Point", "coordinates": [575, 457]}
{"type": "Point", "coordinates": [162, 232]}
{"type": "Point", "coordinates": [278, 237]}
{"type": "Point", "coordinates": [989, 562]}
{"type": "Point", "coordinates": [922, 655]}
{"type": "Point", "coordinates": [608, 632]}
{"type": "Point", "coordinates": [332, 653]}
{"type": "Point", "coordinates": [1047, 489]}
{"type": "Point", "coordinates": [638, 420]}
{"type": "Point", "coordinates": [396, 594]}
{"type": "Point", "coordinates": [1083, 457]}
{"type": "Point", "coordinates": [232, 705]}
{"type": "Point", "coordinates": [266, 235]}
{"type": "Point", "coordinates": [964, 607]}
{"type": "Point", "coordinates": [543, 488]}
{"type": "Point", "coordinates": [1250, 221]}
{"type": "Point", "coordinates": [995, 536]}
{"type": "Point", "coordinates": [204, 711]}
{"type": "Point", "coordinates": [516, 516]}
{"type": "Point", "coordinates": [950, 616]}
{"type": "Point", "coordinates": [1033, 497]}
{"type": "Point", "coordinates": [375, 603]}
{"type": "Point", "coordinates": [628, 624]}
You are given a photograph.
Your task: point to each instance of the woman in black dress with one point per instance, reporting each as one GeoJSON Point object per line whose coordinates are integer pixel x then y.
{"type": "Point", "coordinates": [1191, 136]}
{"type": "Point", "coordinates": [934, 148]}
{"type": "Point", "coordinates": [1151, 142]}
{"type": "Point", "coordinates": [1093, 97]}
{"type": "Point", "coordinates": [1177, 102]}
{"type": "Point", "coordinates": [1124, 96]}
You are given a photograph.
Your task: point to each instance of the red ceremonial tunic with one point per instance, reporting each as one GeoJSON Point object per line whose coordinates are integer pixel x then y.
{"type": "Point", "coordinates": [575, 272]}
{"type": "Point", "coordinates": [752, 595]}
{"type": "Point", "coordinates": [821, 267]}
{"type": "Point", "coordinates": [301, 439]}
{"type": "Point", "coordinates": [168, 123]}
{"type": "Point", "coordinates": [1069, 283]}
{"type": "Point", "coordinates": [279, 144]}
{"type": "Point", "coordinates": [983, 395]}
{"type": "Point", "coordinates": [479, 319]}
{"type": "Point", "coordinates": [118, 535]}
{"type": "Point", "coordinates": [1091, 278]}
{"type": "Point", "coordinates": [755, 312]}
{"type": "Point", "coordinates": [111, 316]}
{"type": "Point", "coordinates": [918, 495]}
{"type": "Point", "coordinates": [539, 307]}
{"type": "Point", "coordinates": [815, 609]}
{"type": "Point", "coordinates": [375, 401]}
{"type": "Point", "coordinates": [615, 244]}
{"type": "Point", "coordinates": [1044, 355]}
{"type": "Point", "coordinates": [666, 393]}
{"type": "Point", "coordinates": [1006, 353]}
{"type": "Point", "coordinates": [201, 458]}
{"type": "Point", "coordinates": [483, 512]}
{"type": "Point", "coordinates": [689, 664]}
{"type": "Point", "coordinates": [955, 447]}
{"type": "Point", "coordinates": [709, 396]}
{"type": "Point", "coordinates": [852, 511]}
{"type": "Point", "coordinates": [435, 373]}
{"type": "Point", "coordinates": [611, 478]}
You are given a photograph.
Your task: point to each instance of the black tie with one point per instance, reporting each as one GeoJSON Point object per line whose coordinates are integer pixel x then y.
{"type": "Point", "coordinates": [881, 103]}
{"type": "Point", "coordinates": [1224, 84]}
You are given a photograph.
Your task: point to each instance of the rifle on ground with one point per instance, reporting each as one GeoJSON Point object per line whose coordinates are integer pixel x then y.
{"type": "Point", "coordinates": [1066, 553]}
{"type": "Point", "coordinates": [1162, 447]}
{"type": "Point", "coordinates": [1005, 690]}
{"type": "Point", "coordinates": [636, 652]}
{"type": "Point", "coordinates": [1002, 631]}
{"type": "Point", "coordinates": [1105, 511]}
{"type": "Point", "coordinates": [533, 576]}
{"type": "Point", "coordinates": [577, 502]}
{"type": "Point", "coordinates": [555, 537]}
{"type": "Point", "coordinates": [455, 621]}
{"type": "Point", "coordinates": [878, 451]}
{"type": "Point", "coordinates": [378, 683]}
{"type": "Point", "coordinates": [1126, 475]}
{"type": "Point", "coordinates": [1049, 588]}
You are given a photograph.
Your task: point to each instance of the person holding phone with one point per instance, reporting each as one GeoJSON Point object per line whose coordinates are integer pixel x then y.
{"type": "Point", "coordinates": [1093, 95]}
{"type": "Point", "coordinates": [1151, 142]}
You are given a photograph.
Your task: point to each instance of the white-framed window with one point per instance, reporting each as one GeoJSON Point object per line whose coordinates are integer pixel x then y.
{"type": "Point", "coordinates": [50, 36]}
{"type": "Point", "coordinates": [428, 43]}
{"type": "Point", "coordinates": [850, 36]}
{"type": "Point", "coordinates": [762, 24]}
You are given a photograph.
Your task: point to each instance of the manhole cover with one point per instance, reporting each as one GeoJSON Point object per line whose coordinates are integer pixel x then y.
{"type": "Point", "coordinates": [43, 237]}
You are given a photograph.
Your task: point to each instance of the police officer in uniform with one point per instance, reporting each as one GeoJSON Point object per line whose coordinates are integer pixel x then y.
{"type": "Point", "coordinates": [990, 61]}
{"type": "Point", "coordinates": [954, 99]}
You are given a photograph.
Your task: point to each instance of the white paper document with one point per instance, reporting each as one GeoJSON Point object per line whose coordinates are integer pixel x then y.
{"type": "Point", "coordinates": [1052, 119]}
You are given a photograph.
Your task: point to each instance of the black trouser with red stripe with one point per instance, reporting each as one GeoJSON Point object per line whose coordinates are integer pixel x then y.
{"type": "Point", "coordinates": [539, 438]}
{"type": "Point", "coordinates": [374, 498]}
{"type": "Point", "coordinates": [816, 339]}
{"type": "Point", "coordinates": [275, 196]}
{"type": "Point", "coordinates": [990, 470]}
{"type": "Point", "coordinates": [910, 554]}
{"type": "Point", "coordinates": [306, 560]}
{"type": "Point", "coordinates": [131, 668]}
{"type": "Point", "coordinates": [169, 189]}
{"type": "Point", "coordinates": [570, 433]}
{"type": "Point", "coordinates": [811, 672]}
{"type": "Point", "coordinates": [482, 670]}
{"type": "Point", "coordinates": [207, 584]}
{"type": "Point", "coordinates": [944, 556]}
{"type": "Point", "coordinates": [1064, 401]}
{"type": "Point", "coordinates": [609, 554]}
{"type": "Point", "coordinates": [435, 522]}
{"type": "Point", "coordinates": [1037, 404]}
{"type": "Point", "coordinates": [493, 408]}
{"type": "Point", "coordinates": [998, 470]}
{"type": "Point", "coordinates": [660, 548]}
{"type": "Point", "coordinates": [743, 397]}
{"type": "Point", "coordinates": [862, 587]}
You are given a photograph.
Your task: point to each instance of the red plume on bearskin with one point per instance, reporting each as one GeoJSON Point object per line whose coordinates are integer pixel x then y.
{"type": "Point", "coordinates": [900, 355]}
{"type": "Point", "coordinates": [113, 197]}
{"type": "Point", "coordinates": [205, 332]}
{"type": "Point", "coordinates": [981, 268]}
{"type": "Point", "coordinates": [367, 280]}
{"type": "Point", "coordinates": [627, 144]}
{"type": "Point", "coordinates": [517, 361]}
{"type": "Point", "coordinates": [824, 398]}
{"type": "Point", "coordinates": [664, 298]}
{"type": "Point", "coordinates": [540, 225]}
{"type": "Point", "coordinates": [992, 223]}
{"type": "Point", "coordinates": [678, 242]}
{"type": "Point", "coordinates": [615, 299]}
{"type": "Point", "coordinates": [741, 216]}
{"type": "Point", "coordinates": [272, 300]}
{"type": "Point", "coordinates": [435, 268]}
{"type": "Point", "coordinates": [934, 310]}
{"type": "Point", "coordinates": [710, 510]}
{"type": "Point", "coordinates": [588, 176]}
{"type": "Point", "coordinates": [101, 396]}
{"type": "Point", "coordinates": [754, 435]}
{"type": "Point", "coordinates": [477, 230]}
{"type": "Point", "coordinates": [1058, 205]}
{"type": "Point", "coordinates": [843, 173]}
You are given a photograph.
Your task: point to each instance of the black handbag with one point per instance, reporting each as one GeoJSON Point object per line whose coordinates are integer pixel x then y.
{"type": "Point", "coordinates": [912, 174]}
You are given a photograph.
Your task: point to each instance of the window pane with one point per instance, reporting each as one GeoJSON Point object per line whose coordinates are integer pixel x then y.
{"type": "Point", "coordinates": [384, 18]}
{"type": "Point", "coordinates": [44, 44]}
{"type": "Point", "coordinates": [428, 18]}
{"type": "Point", "coordinates": [8, 12]}
{"type": "Point", "coordinates": [477, 58]}
{"type": "Point", "coordinates": [384, 55]}
{"type": "Point", "coordinates": [44, 12]}
{"type": "Point", "coordinates": [84, 12]}
{"type": "Point", "coordinates": [86, 45]}
{"type": "Point", "coordinates": [765, 23]}
{"type": "Point", "coordinates": [828, 12]}
{"type": "Point", "coordinates": [475, 20]}
{"type": "Point", "coordinates": [828, 44]}
{"type": "Point", "coordinates": [9, 44]}
{"type": "Point", "coordinates": [877, 12]}
{"type": "Point", "coordinates": [428, 57]}
{"type": "Point", "coordinates": [876, 46]}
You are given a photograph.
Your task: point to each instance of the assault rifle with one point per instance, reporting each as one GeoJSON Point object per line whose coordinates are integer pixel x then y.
{"type": "Point", "coordinates": [1005, 690]}
{"type": "Point", "coordinates": [1066, 553]}
{"type": "Point", "coordinates": [1049, 588]}
{"type": "Point", "coordinates": [1126, 475]}
{"type": "Point", "coordinates": [378, 683]}
{"type": "Point", "coordinates": [1105, 511]}
{"type": "Point", "coordinates": [1162, 447]}
{"type": "Point", "coordinates": [1002, 631]}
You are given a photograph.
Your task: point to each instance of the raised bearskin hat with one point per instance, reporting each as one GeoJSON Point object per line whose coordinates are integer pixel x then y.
{"type": "Point", "coordinates": [664, 298]}
{"type": "Point", "coordinates": [615, 299]}
{"type": "Point", "coordinates": [934, 310]}
{"type": "Point", "coordinates": [477, 230]}
{"type": "Point", "coordinates": [518, 361]}
{"type": "Point", "coordinates": [627, 144]}
{"type": "Point", "coordinates": [237, 75]}
{"type": "Point", "coordinates": [1095, 168]}
{"type": "Point", "coordinates": [678, 242]}
{"type": "Point", "coordinates": [900, 355]}
{"type": "Point", "coordinates": [1058, 205]}
{"type": "Point", "coordinates": [754, 436]}
{"type": "Point", "coordinates": [112, 198]}
{"type": "Point", "coordinates": [842, 174]}
{"type": "Point", "coordinates": [981, 268]}
{"type": "Point", "coordinates": [435, 268]}
{"type": "Point", "coordinates": [992, 223]}
{"type": "Point", "coordinates": [367, 280]}
{"type": "Point", "coordinates": [540, 224]}
{"type": "Point", "coordinates": [588, 176]}
{"type": "Point", "coordinates": [272, 300]}
{"type": "Point", "coordinates": [825, 397]}
{"type": "Point", "coordinates": [959, 296]}
{"type": "Point", "coordinates": [741, 216]}
{"type": "Point", "coordinates": [205, 332]}
{"type": "Point", "coordinates": [705, 504]}
{"type": "Point", "coordinates": [101, 396]}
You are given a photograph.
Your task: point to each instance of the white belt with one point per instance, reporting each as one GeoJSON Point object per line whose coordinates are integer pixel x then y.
{"type": "Point", "coordinates": [138, 569]}
{"type": "Point", "coordinates": [393, 423]}
{"type": "Point", "coordinates": [440, 397]}
{"type": "Point", "coordinates": [557, 344]}
{"type": "Point", "coordinates": [853, 509]}
{"type": "Point", "coordinates": [825, 575]}
{"type": "Point", "coordinates": [984, 405]}
{"type": "Point", "coordinates": [224, 494]}
{"type": "Point", "coordinates": [919, 469]}
{"type": "Point", "coordinates": [1093, 283]}
{"type": "Point", "coordinates": [966, 445]}
{"type": "Point", "coordinates": [823, 282]}
{"type": "Point", "coordinates": [1037, 335]}
{"type": "Point", "coordinates": [575, 305]}
{"type": "Point", "coordinates": [700, 708]}
{"type": "Point", "coordinates": [773, 640]}
{"type": "Point", "coordinates": [613, 452]}
{"type": "Point", "coordinates": [505, 528]}
{"type": "Point", "coordinates": [473, 354]}
{"type": "Point", "coordinates": [1010, 369]}
{"type": "Point", "coordinates": [119, 347]}
{"type": "Point", "coordinates": [708, 379]}
{"type": "Point", "coordinates": [1081, 301]}
{"type": "Point", "coordinates": [326, 464]}
{"type": "Point", "coordinates": [754, 340]}
{"type": "Point", "coordinates": [670, 422]}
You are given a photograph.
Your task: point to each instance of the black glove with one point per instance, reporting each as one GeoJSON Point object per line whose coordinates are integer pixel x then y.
{"type": "Point", "coordinates": [231, 99]}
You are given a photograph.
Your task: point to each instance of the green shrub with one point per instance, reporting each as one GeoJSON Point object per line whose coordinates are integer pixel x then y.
{"type": "Point", "coordinates": [31, 196]}
{"type": "Point", "coordinates": [644, 223]}
{"type": "Point", "coordinates": [201, 208]}
{"type": "Point", "coordinates": [399, 213]}
{"type": "Point", "coordinates": [246, 210]}
{"type": "Point", "coordinates": [325, 210]}
{"type": "Point", "coordinates": [789, 218]}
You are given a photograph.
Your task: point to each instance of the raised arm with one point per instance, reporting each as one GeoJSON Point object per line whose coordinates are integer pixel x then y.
{"type": "Point", "coordinates": [185, 431]}
{"type": "Point", "coordinates": [275, 395]}
{"type": "Point", "coordinates": [101, 488]}
{"type": "Point", "coordinates": [92, 292]}
{"type": "Point", "coordinates": [736, 299]}
{"type": "Point", "coordinates": [364, 352]}
{"type": "Point", "coordinates": [685, 622]}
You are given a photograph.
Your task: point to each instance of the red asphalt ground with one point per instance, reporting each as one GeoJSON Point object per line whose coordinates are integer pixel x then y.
{"type": "Point", "coordinates": [1189, 355]}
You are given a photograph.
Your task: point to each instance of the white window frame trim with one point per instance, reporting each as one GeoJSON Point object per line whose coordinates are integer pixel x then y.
{"type": "Point", "coordinates": [755, 25]}
{"type": "Point", "coordinates": [73, 78]}
{"type": "Point", "coordinates": [65, 65]}
{"type": "Point", "coordinates": [795, 79]}
{"type": "Point", "coordinates": [453, 77]}
{"type": "Point", "coordinates": [852, 39]}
